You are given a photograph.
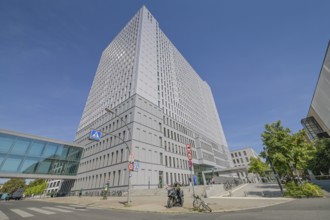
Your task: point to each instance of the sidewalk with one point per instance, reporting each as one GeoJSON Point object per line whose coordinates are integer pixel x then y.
{"type": "Point", "coordinates": [157, 203]}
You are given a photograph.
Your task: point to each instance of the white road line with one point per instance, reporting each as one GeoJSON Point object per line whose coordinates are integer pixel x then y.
{"type": "Point", "coordinates": [71, 208]}
{"type": "Point", "coordinates": [21, 213]}
{"type": "Point", "coordinates": [42, 211]}
{"type": "Point", "coordinates": [57, 209]}
{"type": "Point", "coordinates": [3, 216]}
{"type": "Point", "coordinates": [76, 205]}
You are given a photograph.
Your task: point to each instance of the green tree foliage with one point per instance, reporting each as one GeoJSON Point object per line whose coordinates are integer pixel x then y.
{"type": "Point", "coordinates": [321, 161]}
{"type": "Point", "coordinates": [288, 151]}
{"type": "Point", "coordinates": [12, 185]}
{"type": "Point", "coordinates": [304, 190]}
{"type": "Point", "coordinates": [257, 166]}
{"type": "Point", "coordinates": [36, 187]}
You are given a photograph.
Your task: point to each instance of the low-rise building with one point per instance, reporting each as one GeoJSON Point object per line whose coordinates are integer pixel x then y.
{"type": "Point", "coordinates": [241, 158]}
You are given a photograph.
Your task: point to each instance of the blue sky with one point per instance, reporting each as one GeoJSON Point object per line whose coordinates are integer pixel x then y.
{"type": "Point", "coordinates": [261, 58]}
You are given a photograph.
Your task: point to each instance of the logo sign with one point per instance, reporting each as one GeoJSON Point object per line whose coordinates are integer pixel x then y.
{"type": "Point", "coordinates": [131, 166]}
{"type": "Point", "coordinates": [136, 166]}
{"type": "Point", "coordinates": [95, 135]}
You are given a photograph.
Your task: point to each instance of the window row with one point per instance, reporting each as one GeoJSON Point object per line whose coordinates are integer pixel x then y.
{"type": "Point", "coordinates": [103, 161]}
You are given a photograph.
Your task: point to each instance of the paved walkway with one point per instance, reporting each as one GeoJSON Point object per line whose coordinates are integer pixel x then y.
{"type": "Point", "coordinates": [157, 203]}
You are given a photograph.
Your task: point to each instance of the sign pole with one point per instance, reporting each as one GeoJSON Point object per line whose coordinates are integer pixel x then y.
{"type": "Point", "coordinates": [189, 155]}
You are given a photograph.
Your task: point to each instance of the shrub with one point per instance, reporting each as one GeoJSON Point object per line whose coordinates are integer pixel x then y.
{"type": "Point", "coordinates": [301, 191]}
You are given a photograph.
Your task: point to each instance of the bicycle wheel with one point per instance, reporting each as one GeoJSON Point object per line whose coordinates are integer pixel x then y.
{"type": "Point", "coordinates": [169, 203]}
{"type": "Point", "coordinates": [206, 207]}
{"type": "Point", "coordinates": [196, 203]}
{"type": "Point", "coordinates": [120, 193]}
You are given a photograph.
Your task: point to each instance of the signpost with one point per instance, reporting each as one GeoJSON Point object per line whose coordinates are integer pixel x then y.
{"type": "Point", "coordinates": [190, 164]}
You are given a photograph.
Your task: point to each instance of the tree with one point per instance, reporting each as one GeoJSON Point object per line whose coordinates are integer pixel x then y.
{"type": "Point", "coordinates": [12, 185]}
{"type": "Point", "coordinates": [257, 166]}
{"type": "Point", "coordinates": [321, 162]}
{"type": "Point", "coordinates": [289, 152]}
{"type": "Point", "coordinates": [36, 187]}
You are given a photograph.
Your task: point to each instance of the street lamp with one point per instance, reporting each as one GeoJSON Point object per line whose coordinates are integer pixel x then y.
{"type": "Point", "coordinates": [274, 171]}
{"type": "Point", "coordinates": [129, 152]}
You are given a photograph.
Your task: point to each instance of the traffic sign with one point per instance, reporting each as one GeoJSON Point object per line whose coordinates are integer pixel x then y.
{"type": "Point", "coordinates": [95, 135]}
{"type": "Point", "coordinates": [131, 158]}
{"type": "Point", "coordinates": [189, 151]}
{"type": "Point", "coordinates": [190, 163]}
{"type": "Point", "coordinates": [136, 166]}
{"type": "Point", "coordinates": [131, 166]}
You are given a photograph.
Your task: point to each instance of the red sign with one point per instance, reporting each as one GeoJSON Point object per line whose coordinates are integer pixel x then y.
{"type": "Point", "coordinates": [189, 151]}
{"type": "Point", "coordinates": [131, 166]}
{"type": "Point", "coordinates": [190, 163]}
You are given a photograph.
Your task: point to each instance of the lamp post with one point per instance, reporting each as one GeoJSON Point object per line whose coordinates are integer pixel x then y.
{"type": "Point", "coordinates": [273, 169]}
{"type": "Point", "coordinates": [129, 152]}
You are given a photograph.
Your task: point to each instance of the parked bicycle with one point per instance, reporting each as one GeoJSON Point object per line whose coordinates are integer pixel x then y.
{"type": "Point", "coordinates": [116, 193]}
{"type": "Point", "coordinates": [230, 183]}
{"type": "Point", "coordinates": [199, 204]}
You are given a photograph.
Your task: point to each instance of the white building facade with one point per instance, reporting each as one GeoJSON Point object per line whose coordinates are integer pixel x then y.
{"type": "Point", "coordinates": [241, 158]}
{"type": "Point", "coordinates": [159, 105]}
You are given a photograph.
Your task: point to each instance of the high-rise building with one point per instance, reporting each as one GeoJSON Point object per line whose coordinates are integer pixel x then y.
{"type": "Point", "coordinates": [158, 104]}
{"type": "Point", "coordinates": [317, 123]}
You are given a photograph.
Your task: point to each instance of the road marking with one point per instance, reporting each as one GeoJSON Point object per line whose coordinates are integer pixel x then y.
{"type": "Point", "coordinates": [77, 206]}
{"type": "Point", "coordinates": [71, 208]}
{"type": "Point", "coordinates": [21, 213]}
{"type": "Point", "coordinates": [56, 209]}
{"type": "Point", "coordinates": [42, 211]}
{"type": "Point", "coordinates": [3, 216]}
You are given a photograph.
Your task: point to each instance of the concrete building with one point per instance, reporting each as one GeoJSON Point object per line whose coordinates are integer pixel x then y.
{"type": "Point", "coordinates": [317, 122]}
{"type": "Point", "coordinates": [158, 105]}
{"type": "Point", "coordinates": [241, 158]}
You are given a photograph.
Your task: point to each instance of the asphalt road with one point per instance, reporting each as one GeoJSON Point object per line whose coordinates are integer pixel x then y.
{"type": "Point", "coordinates": [303, 209]}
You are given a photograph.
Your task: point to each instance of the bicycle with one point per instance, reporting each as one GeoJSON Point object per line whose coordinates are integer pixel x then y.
{"type": "Point", "coordinates": [198, 203]}
{"type": "Point", "coordinates": [228, 185]}
{"type": "Point", "coordinates": [116, 193]}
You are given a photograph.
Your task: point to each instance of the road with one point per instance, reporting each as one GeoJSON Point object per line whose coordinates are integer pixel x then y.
{"type": "Point", "coordinates": [303, 209]}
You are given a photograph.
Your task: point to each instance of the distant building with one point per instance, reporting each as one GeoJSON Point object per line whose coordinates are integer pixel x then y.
{"type": "Point", "coordinates": [53, 186]}
{"type": "Point", "coordinates": [317, 122]}
{"type": "Point", "coordinates": [241, 158]}
{"type": "Point", "coordinates": [58, 187]}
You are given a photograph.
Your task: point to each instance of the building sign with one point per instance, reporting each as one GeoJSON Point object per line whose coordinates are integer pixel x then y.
{"type": "Point", "coordinates": [95, 135]}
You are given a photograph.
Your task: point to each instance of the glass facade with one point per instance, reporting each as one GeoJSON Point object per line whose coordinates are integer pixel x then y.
{"type": "Point", "coordinates": [30, 155]}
